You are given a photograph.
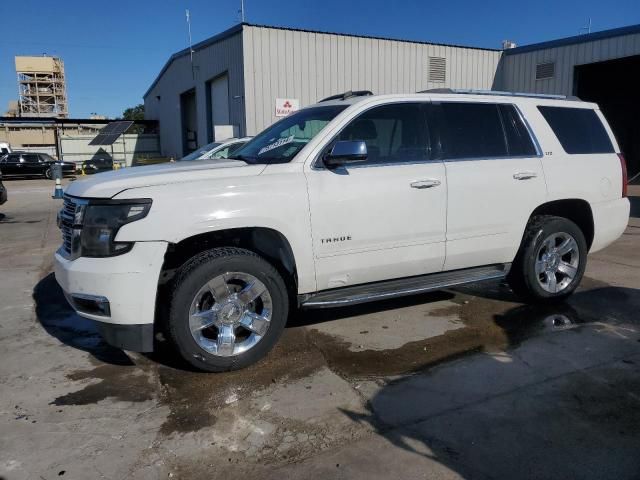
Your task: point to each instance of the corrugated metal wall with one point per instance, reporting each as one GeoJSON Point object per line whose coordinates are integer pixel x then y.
{"type": "Point", "coordinates": [308, 66]}
{"type": "Point", "coordinates": [517, 71]}
{"type": "Point", "coordinates": [209, 62]}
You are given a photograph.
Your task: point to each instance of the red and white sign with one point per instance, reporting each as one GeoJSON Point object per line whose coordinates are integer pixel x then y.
{"type": "Point", "coordinates": [285, 106]}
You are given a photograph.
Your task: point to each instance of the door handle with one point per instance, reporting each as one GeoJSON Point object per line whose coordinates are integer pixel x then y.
{"type": "Point", "coordinates": [524, 175]}
{"type": "Point", "coordinates": [425, 183]}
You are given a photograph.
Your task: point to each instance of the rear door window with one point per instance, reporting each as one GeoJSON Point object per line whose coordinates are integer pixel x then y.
{"type": "Point", "coordinates": [30, 158]}
{"type": "Point", "coordinates": [519, 142]}
{"type": "Point", "coordinates": [471, 130]}
{"type": "Point", "coordinates": [579, 130]}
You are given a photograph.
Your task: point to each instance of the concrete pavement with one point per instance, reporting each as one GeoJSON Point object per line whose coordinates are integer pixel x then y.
{"type": "Point", "coordinates": [466, 383]}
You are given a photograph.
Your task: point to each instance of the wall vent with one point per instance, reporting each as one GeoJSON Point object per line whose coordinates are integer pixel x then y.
{"type": "Point", "coordinates": [545, 70]}
{"type": "Point", "coordinates": [437, 69]}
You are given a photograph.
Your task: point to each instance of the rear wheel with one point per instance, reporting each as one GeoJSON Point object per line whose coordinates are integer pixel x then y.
{"type": "Point", "coordinates": [229, 308]}
{"type": "Point", "coordinates": [551, 260]}
{"type": "Point", "coordinates": [48, 174]}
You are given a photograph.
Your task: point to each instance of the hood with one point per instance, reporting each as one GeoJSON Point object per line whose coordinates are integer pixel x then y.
{"type": "Point", "coordinates": [108, 184]}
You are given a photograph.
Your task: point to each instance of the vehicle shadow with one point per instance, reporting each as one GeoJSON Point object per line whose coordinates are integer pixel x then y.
{"type": "Point", "coordinates": [34, 178]}
{"type": "Point", "coordinates": [60, 321]}
{"type": "Point", "coordinates": [565, 385]}
{"type": "Point", "coordinates": [10, 178]}
{"type": "Point", "coordinates": [9, 220]}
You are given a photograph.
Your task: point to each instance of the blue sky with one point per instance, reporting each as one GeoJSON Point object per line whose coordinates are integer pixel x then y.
{"type": "Point", "coordinates": [113, 50]}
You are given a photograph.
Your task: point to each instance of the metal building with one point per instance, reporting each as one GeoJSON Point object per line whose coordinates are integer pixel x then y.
{"type": "Point", "coordinates": [245, 76]}
{"type": "Point", "coordinates": [42, 88]}
{"type": "Point", "coordinates": [601, 67]}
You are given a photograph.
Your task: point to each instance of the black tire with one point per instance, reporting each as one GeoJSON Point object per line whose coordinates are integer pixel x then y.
{"type": "Point", "coordinates": [198, 271]}
{"type": "Point", "coordinates": [48, 174]}
{"type": "Point", "coordinates": [524, 280]}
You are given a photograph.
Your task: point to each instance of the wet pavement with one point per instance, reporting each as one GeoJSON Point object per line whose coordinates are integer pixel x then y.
{"type": "Point", "coordinates": [464, 383]}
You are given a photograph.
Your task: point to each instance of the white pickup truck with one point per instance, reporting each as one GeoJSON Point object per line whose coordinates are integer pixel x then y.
{"type": "Point", "coordinates": [356, 198]}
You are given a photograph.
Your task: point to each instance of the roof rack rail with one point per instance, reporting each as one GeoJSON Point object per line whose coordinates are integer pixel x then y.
{"type": "Point", "coordinates": [500, 93]}
{"type": "Point", "coordinates": [347, 94]}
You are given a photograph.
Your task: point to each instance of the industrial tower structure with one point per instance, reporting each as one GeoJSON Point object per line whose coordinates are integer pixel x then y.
{"type": "Point", "coordinates": [42, 88]}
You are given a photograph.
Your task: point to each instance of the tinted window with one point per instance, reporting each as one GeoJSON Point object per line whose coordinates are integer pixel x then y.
{"type": "Point", "coordinates": [471, 130]}
{"type": "Point", "coordinates": [12, 157]}
{"type": "Point", "coordinates": [579, 130]}
{"type": "Point", "coordinates": [46, 157]}
{"type": "Point", "coordinates": [393, 133]}
{"type": "Point", "coordinates": [236, 146]}
{"type": "Point", "coordinates": [519, 141]}
{"type": "Point", "coordinates": [30, 158]}
{"type": "Point", "coordinates": [226, 151]}
{"type": "Point", "coordinates": [200, 152]}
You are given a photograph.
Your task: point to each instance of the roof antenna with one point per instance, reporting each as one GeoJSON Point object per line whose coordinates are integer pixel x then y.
{"type": "Point", "coordinates": [190, 49]}
{"type": "Point", "coordinates": [241, 11]}
{"type": "Point", "coordinates": [587, 28]}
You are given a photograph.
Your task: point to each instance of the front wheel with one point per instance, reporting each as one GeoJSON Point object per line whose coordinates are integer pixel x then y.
{"type": "Point", "coordinates": [551, 261]}
{"type": "Point", "coordinates": [228, 309]}
{"type": "Point", "coordinates": [48, 174]}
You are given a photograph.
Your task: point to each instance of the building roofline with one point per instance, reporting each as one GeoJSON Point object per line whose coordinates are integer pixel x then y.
{"type": "Point", "coordinates": [577, 39]}
{"type": "Point", "coordinates": [69, 121]}
{"type": "Point", "coordinates": [198, 46]}
{"type": "Point", "coordinates": [371, 37]}
{"type": "Point", "coordinates": [239, 27]}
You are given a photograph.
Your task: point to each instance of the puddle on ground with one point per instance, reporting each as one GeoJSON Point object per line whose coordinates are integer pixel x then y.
{"type": "Point", "coordinates": [491, 316]}
{"type": "Point", "coordinates": [116, 382]}
{"type": "Point", "coordinates": [493, 321]}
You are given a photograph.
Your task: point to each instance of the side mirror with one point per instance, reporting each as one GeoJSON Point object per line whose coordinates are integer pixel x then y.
{"type": "Point", "coordinates": [345, 153]}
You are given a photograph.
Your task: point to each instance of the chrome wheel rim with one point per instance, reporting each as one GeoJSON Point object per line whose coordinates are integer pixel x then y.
{"type": "Point", "coordinates": [230, 314]}
{"type": "Point", "coordinates": [557, 262]}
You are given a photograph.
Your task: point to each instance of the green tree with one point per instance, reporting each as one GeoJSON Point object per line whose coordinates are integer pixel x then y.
{"type": "Point", "coordinates": [134, 113]}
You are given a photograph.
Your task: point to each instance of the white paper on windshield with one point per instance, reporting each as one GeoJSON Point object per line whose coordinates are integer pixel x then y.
{"type": "Point", "coordinates": [276, 144]}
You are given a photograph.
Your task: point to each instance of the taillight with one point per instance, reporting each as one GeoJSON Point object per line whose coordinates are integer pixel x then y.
{"type": "Point", "coordinates": [623, 165]}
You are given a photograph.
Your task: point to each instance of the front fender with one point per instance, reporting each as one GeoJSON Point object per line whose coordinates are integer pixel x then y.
{"type": "Point", "coordinates": [181, 211]}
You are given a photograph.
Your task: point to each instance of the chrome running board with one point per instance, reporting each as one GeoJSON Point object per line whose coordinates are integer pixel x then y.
{"type": "Point", "coordinates": [400, 287]}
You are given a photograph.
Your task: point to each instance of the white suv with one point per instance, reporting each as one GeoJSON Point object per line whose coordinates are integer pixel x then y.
{"type": "Point", "coordinates": [354, 199]}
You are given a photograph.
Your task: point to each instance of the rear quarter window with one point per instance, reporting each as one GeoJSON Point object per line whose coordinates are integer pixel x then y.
{"type": "Point", "coordinates": [579, 130]}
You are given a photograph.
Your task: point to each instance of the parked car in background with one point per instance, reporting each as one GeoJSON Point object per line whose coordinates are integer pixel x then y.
{"type": "Point", "coordinates": [26, 164]}
{"type": "Point", "coordinates": [357, 198]}
{"type": "Point", "coordinates": [97, 165]}
{"type": "Point", "coordinates": [3, 191]}
{"type": "Point", "coordinates": [216, 150]}
{"type": "Point", "coordinates": [4, 149]}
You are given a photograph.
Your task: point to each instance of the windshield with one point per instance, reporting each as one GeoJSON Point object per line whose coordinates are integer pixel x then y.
{"type": "Point", "coordinates": [197, 153]}
{"type": "Point", "coordinates": [282, 141]}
